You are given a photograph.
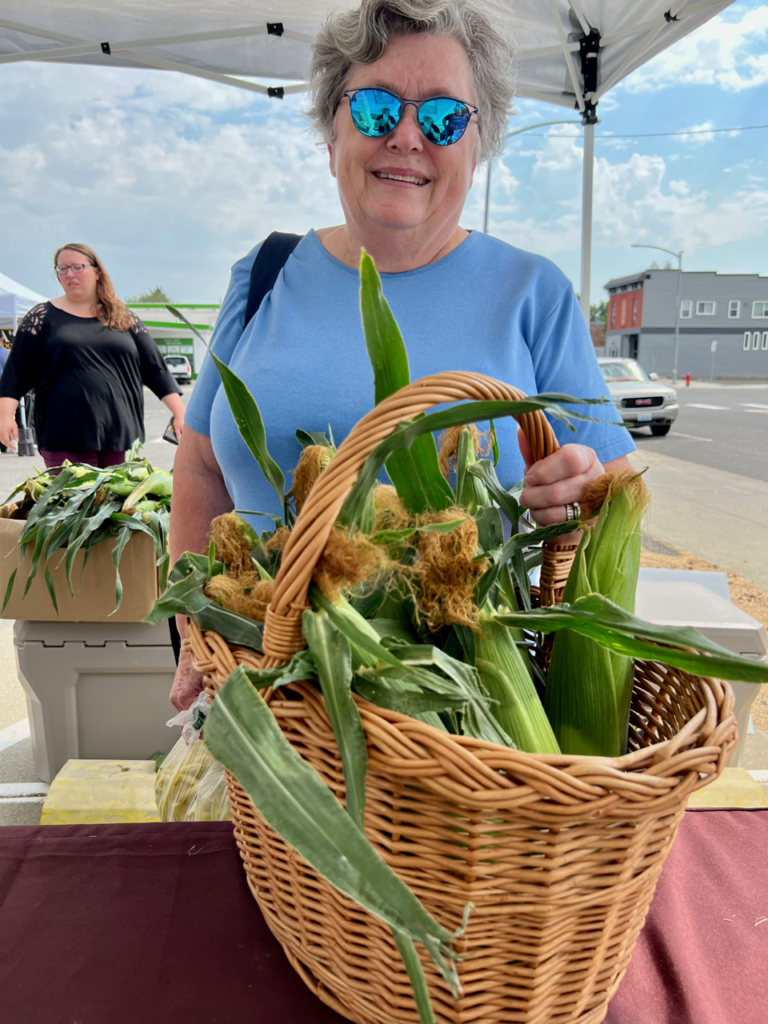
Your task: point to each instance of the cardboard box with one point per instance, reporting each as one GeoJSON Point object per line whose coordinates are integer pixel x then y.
{"type": "Point", "coordinates": [95, 597]}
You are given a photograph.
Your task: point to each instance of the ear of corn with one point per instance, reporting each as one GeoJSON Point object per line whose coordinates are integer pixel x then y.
{"type": "Point", "coordinates": [470, 491]}
{"type": "Point", "coordinates": [589, 687]}
{"type": "Point", "coordinates": [505, 675]}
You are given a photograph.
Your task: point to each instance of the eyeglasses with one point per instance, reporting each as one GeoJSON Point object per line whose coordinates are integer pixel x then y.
{"type": "Point", "coordinates": [376, 112]}
{"type": "Point", "coordinates": [75, 268]}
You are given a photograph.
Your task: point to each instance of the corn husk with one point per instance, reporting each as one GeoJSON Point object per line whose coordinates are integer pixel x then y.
{"type": "Point", "coordinates": [589, 687]}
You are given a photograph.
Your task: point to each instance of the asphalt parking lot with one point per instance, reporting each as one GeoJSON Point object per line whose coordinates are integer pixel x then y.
{"type": "Point", "coordinates": [723, 426]}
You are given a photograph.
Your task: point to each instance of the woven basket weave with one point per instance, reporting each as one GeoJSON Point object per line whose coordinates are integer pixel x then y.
{"type": "Point", "coordinates": [559, 855]}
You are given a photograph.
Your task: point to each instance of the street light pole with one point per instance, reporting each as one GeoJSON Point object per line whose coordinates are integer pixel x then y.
{"type": "Point", "coordinates": [519, 131]}
{"type": "Point", "coordinates": [679, 256]}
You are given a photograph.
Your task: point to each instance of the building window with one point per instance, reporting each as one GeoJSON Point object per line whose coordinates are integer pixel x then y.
{"type": "Point", "coordinates": [623, 312]}
{"type": "Point", "coordinates": [613, 313]}
{"type": "Point", "coordinates": [733, 309]}
{"type": "Point", "coordinates": [705, 309]}
{"type": "Point", "coordinates": [765, 341]}
{"type": "Point", "coordinates": [685, 309]}
{"type": "Point", "coordinates": [756, 341]}
{"type": "Point", "coordinates": [747, 340]}
{"type": "Point", "coordinates": [759, 310]}
{"type": "Point", "coordinates": [634, 312]}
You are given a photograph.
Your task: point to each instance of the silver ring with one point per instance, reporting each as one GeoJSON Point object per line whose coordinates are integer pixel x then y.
{"type": "Point", "coordinates": [572, 511]}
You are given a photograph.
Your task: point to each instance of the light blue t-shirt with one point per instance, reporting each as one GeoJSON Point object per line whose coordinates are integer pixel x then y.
{"type": "Point", "coordinates": [486, 307]}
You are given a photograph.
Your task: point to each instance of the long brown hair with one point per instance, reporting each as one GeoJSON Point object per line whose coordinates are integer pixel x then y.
{"type": "Point", "coordinates": [109, 309]}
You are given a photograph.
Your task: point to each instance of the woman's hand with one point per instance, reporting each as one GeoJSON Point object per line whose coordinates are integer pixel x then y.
{"type": "Point", "coordinates": [9, 432]}
{"type": "Point", "coordinates": [556, 481]}
{"type": "Point", "coordinates": [176, 406]}
{"type": "Point", "coordinates": [187, 683]}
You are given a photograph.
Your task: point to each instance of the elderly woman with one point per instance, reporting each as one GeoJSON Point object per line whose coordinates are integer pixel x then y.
{"type": "Point", "coordinates": [463, 300]}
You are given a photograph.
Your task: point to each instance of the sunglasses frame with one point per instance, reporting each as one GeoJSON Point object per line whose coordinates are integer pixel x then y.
{"type": "Point", "coordinates": [350, 94]}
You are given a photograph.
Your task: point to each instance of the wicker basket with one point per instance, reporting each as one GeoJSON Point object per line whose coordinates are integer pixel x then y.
{"type": "Point", "coordinates": [559, 855]}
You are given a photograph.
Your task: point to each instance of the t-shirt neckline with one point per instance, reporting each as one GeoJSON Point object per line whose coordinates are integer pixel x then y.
{"type": "Point", "coordinates": [67, 313]}
{"type": "Point", "coordinates": [461, 248]}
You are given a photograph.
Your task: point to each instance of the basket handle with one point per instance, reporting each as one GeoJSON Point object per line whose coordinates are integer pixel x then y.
{"type": "Point", "coordinates": [282, 628]}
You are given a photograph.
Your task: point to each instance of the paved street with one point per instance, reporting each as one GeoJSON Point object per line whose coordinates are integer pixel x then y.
{"type": "Point", "coordinates": [724, 426]}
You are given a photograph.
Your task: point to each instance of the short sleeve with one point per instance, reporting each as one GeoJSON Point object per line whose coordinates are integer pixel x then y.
{"type": "Point", "coordinates": [226, 335]}
{"type": "Point", "coordinates": [564, 361]}
{"type": "Point", "coordinates": [154, 371]}
{"type": "Point", "coordinates": [25, 365]}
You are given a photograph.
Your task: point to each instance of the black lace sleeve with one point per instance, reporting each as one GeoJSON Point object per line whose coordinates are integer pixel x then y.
{"type": "Point", "coordinates": [25, 365]}
{"type": "Point", "coordinates": [154, 372]}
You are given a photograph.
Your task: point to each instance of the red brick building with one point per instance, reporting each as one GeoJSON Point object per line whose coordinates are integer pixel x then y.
{"type": "Point", "coordinates": [625, 308]}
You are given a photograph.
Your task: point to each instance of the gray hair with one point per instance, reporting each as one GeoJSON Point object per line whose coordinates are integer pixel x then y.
{"type": "Point", "coordinates": [360, 36]}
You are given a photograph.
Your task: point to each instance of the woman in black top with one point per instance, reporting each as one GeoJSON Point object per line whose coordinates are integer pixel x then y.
{"type": "Point", "coordinates": [87, 357]}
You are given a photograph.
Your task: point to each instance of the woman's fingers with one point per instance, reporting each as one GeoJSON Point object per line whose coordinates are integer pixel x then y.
{"type": "Point", "coordinates": [9, 433]}
{"type": "Point", "coordinates": [178, 426]}
{"type": "Point", "coordinates": [525, 449]}
{"type": "Point", "coordinates": [557, 481]}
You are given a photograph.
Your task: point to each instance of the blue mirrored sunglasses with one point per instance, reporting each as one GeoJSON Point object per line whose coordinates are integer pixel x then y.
{"type": "Point", "coordinates": [376, 112]}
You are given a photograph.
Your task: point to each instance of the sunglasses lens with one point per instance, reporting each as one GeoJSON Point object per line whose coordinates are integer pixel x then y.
{"type": "Point", "coordinates": [444, 120]}
{"type": "Point", "coordinates": [374, 111]}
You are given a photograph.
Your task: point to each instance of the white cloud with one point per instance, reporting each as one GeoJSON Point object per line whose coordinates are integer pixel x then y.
{"type": "Point", "coordinates": [727, 51]}
{"type": "Point", "coordinates": [703, 133]}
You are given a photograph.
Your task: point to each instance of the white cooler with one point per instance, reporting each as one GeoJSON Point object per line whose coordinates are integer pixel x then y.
{"type": "Point", "coordinates": [95, 690]}
{"type": "Point", "coordinates": [683, 598]}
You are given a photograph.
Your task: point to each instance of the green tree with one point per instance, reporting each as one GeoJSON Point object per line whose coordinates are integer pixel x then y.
{"type": "Point", "coordinates": [154, 295]}
{"type": "Point", "coordinates": [598, 311]}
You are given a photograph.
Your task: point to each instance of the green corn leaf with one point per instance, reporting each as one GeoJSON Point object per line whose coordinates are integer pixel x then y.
{"type": "Point", "coordinates": [485, 471]}
{"type": "Point", "coordinates": [494, 444]}
{"type": "Point", "coordinates": [478, 720]}
{"type": "Point", "coordinates": [332, 656]}
{"type": "Point", "coordinates": [415, 473]}
{"type": "Point", "coordinates": [122, 539]}
{"type": "Point", "coordinates": [516, 544]}
{"type": "Point", "coordinates": [9, 588]}
{"type": "Point", "coordinates": [596, 617]}
{"type": "Point", "coordinates": [387, 689]}
{"type": "Point", "coordinates": [86, 536]}
{"type": "Point", "coordinates": [468, 412]}
{"type": "Point", "coordinates": [490, 530]}
{"type": "Point", "coordinates": [51, 588]}
{"type": "Point", "coordinates": [311, 437]}
{"type": "Point", "coordinates": [385, 537]}
{"type": "Point", "coordinates": [416, 976]}
{"type": "Point", "coordinates": [301, 668]}
{"type": "Point", "coordinates": [247, 416]}
{"type": "Point", "coordinates": [242, 733]}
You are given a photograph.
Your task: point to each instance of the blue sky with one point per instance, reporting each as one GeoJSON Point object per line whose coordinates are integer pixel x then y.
{"type": "Point", "coordinates": [171, 179]}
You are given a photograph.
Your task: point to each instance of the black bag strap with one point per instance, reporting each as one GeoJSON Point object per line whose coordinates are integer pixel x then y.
{"type": "Point", "coordinates": [270, 260]}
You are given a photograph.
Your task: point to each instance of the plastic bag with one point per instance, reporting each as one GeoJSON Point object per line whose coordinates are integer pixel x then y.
{"type": "Point", "coordinates": [210, 802]}
{"type": "Point", "coordinates": [190, 784]}
{"type": "Point", "coordinates": [179, 776]}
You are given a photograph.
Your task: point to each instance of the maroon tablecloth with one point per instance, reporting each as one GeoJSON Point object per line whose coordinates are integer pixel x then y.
{"type": "Point", "coordinates": [154, 924]}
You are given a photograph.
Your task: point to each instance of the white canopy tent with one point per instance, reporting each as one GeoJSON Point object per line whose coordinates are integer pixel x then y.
{"type": "Point", "coordinates": [571, 51]}
{"type": "Point", "coordinates": [15, 301]}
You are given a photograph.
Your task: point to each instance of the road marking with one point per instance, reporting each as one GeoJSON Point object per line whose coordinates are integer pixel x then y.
{"type": "Point", "coordinates": [753, 405]}
{"type": "Point", "coordinates": [691, 437]}
{"type": "Point", "coordinates": [701, 405]}
{"type": "Point", "coordinates": [760, 412]}
{"type": "Point", "coordinates": [157, 440]}
{"type": "Point", "coordinates": [14, 733]}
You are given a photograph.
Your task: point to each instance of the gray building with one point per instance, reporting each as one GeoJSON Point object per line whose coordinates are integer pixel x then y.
{"type": "Point", "coordinates": [730, 310]}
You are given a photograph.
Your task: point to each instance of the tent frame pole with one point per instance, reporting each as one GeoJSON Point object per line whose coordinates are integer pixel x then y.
{"type": "Point", "coordinates": [586, 217]}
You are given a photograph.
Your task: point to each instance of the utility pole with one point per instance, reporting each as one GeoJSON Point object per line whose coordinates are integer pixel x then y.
{"type": "Point", "coordinates": [679, 256]}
